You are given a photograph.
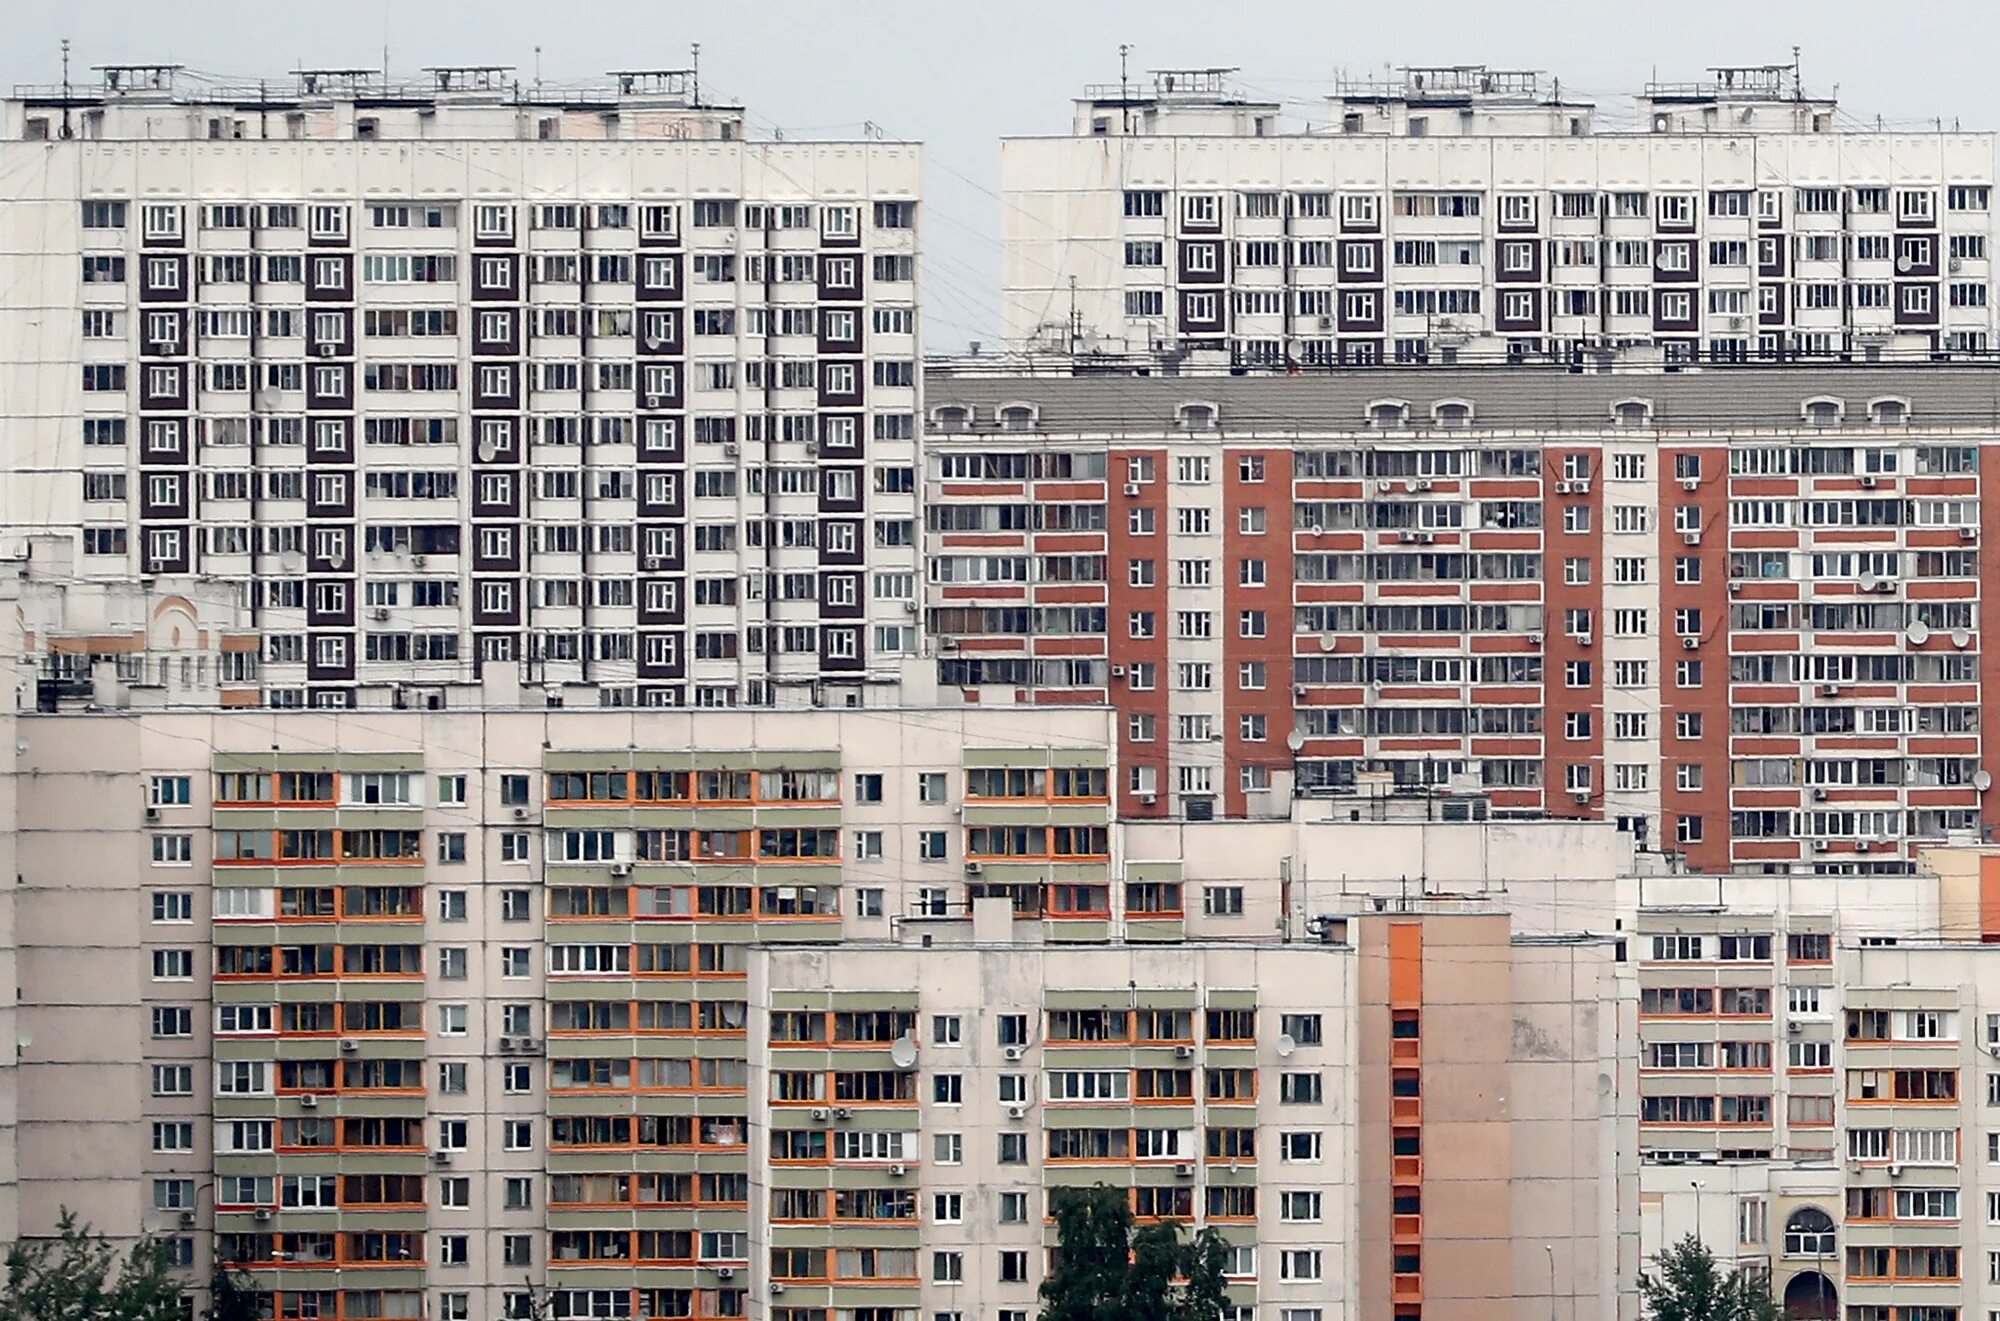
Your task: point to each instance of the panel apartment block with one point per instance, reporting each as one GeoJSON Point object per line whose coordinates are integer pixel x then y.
{"type": "Point", "coordinates": [1740, 611]}
{"type": "Point", "coordinates": [577, 382]}
{"type": "Point", "coordinates": [1472, 214]}
{"type": "Point", "coordinates": [413, 1014]}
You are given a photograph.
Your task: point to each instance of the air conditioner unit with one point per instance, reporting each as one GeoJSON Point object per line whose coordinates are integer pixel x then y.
{"type": "Point", "coordinates": [1298, 690]}
{"type": "Point", "coordinates": [328, 350]}
{"type": "Point", "coordinates": [655, 400]}
{"type": "Point", "coordinates": [1562, 488]}
{"type": "Point", "coordinates": [910, 609]}
{"type": "Point", "coordinates": [777, 1286]}
{"type": "Point", "coordinates": [1385, 486]}
{"type": "Point", "coordinates": [1886, 586]}
{"type": "Point", "coordinates": [1017, 1112]}
{"type": "Point", "coordinates": [348, 1045]}
{"type": "Point", "coordinates": [1427, 538]}
{"type": "Point", "coordinates": [1326, 322]}
{"type": "Point", "coordinates": [898, 1170]}
{"type": "Point", "coordinates": [1967, 533]}
{"type": "Point", "coordinates": [975, 869]}
{"type": "Point", "coordinates": [1183, 1052]}
{"type": "Point", "coordinates": [1690, 483]}
{"type": "Point", "coordinates": [379, 614]}
{"type": "Point", "coordinates": [152, 814]}
{"type": "Point", "coordinates": [1868, 481]}
{"type": "Point", "coordinates": [262, 1215]}
{"type": "Point", "coordinates": [731, 448]}
{"type": "Point", "coordinates": [1795, 1029]}
{"type": "Point", "coordinates": [1955, 265]}
{"type": "Point", "coordinates": [1423, 484]}
{"type": "Point", "coordinates": [621, 869]}
{"type": "Point", "coordinates": [1581, 486]}
{"type": "Point", "coordinates": [1118, 671]}
{"type": "Point", "coordinates": [1184, 1170]}
{"type": "Point", "coordinates": [418, 561]}
{"type": "Point", "coordinates": [1735, 587]}
{"type": "Point", "coordinates": [308, 1102]}
{"type": "Point", "coordinates": [725, 1272]}
{"type": "Point", "coordinates": [440, 1158]}
{"type": "Point", "coordinates": [1690, 538]}
{"type": "Point", "coordinates": [187, 1220]}
{"type": "Point", "coordinates": [812, 447]}
{"type": "Point", "coordinates": [520, 814]}
{"type": "Point", "coordinates": [1131, 488]}
{"type": "Point", "coordinates": [1820, 795]}
{"type": "Point", "coordinates": [842, 1112]}
{"type": "Point", "coordinates": [527, 1045]}
{"type": "Point", "coordinates": [1015, 1052]}
{"type": "Point", "coordinates": [821, 1113]}
{"type": "Point", "coordinates": [1690, 642]}
{"type": "Point", "coordinates": [1829, 690]}
{"type": "Point", "coordinates": [1535, 639]}
{"type": "Point", "coordinates": [1407, 538]}
{"type": "Point", "coordinates": [1895, 1171]}
{"type": "Point", "coordinates": [507, 1045]}
{"type": "Point", "coordinates": [1583, 639]}
{"type": "Point", "coordinates": [1819, 846]}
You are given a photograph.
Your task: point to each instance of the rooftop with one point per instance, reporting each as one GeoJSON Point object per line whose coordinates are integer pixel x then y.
{"type": "Point", "coordinates": [1518, 397]}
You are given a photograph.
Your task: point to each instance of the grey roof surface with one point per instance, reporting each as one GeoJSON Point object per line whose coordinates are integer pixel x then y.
{"type": "Point", "coordinates": [1502, 397]}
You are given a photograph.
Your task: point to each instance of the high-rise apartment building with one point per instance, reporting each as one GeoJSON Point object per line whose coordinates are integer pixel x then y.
{"type": "Point", "coordinates": [1471, 214]}
{"type": "Point", "coordinates": [575, 380]}
{"type": "Point", "coordinates": [414, 1014]}
{"type": "Point", "coordinates": [789, 1016]}
{"type": "Point", "coordinates": [1741, 611]}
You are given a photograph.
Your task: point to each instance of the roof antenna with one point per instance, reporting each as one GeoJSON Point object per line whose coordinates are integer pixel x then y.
{"type": "Point", "coordinates": [538, 68]}
{"type": "Point", "coordinates": [66, 130]}
{"type": "Point", "coordinates": [1798, 84]}
{"type": "Point", "coordinates": [694, 54]}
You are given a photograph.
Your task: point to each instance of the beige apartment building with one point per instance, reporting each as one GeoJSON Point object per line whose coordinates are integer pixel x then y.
{"type": "Point", "coordinates": [458, 1013]}
{"type": "Point", "coordinates": [1417, 1112]}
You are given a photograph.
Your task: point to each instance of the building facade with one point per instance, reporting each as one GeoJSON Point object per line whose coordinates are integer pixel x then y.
{"type": "Point", "coordinates": [1739, 611]}
{"type": "Point", "coordinates": [578, 381]}
{"type": "Point", "coordinates": [1399, 1118]}
{"type": "Point", "coordinates": [1470, 214]}
{"type": "Point", "coordinates": [416, 1014]}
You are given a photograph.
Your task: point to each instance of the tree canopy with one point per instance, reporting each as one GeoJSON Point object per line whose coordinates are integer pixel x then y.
{"type": "Point", "coordinates": [1687, 1284]}
{"type": "Point", "coordinates": [1108, 1269]}
{"type": "Point", "coordinates": [78, 1275]}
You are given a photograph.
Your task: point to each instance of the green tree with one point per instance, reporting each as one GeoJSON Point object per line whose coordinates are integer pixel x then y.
{"type": "Point", "coordinates": [1106, 1269]}
{"type": "Point", "coordinates": [1686, 1284]}
{"type": "Point", "coordinates": [77, 1275]}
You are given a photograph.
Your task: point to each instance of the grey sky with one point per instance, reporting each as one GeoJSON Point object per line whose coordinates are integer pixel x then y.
{"type": "Point", "coordinates": [959, 76]}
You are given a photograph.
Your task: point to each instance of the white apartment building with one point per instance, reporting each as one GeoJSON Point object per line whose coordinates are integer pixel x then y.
{"type": "Point", "coordinates": [1476, 215]}
{"type": "Point", "coordinates": [573, 380]}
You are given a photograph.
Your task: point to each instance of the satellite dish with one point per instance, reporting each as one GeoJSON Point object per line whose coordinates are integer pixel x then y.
{"type": "Point", "coordinates": [1869, 582]}
{"type": "Point", "coordinates": [1918, 633]}
{"type": "Point", "coordinates": [904, 1053]}
{"type": "Point", "coordinates": [488, 450]}
{"type": "Point", "coordinates": [337, 560]}
{"type": "Point", "coordinates": [1327, 642]}
{"type": "Point", "coordinates": [1295, 740]}
{"type": "Point", "coordinates": [1286, 1046]}
{"type": "Point", "coordinates": [1982, 780]}
{"type": "Point", "coordinates": [1961, 637]}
